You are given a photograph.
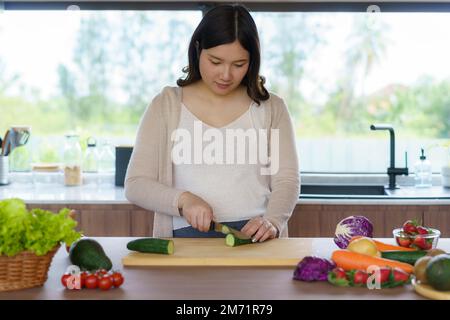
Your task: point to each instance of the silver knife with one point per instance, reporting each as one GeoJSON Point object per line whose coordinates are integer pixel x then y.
{"type": "Point", "coordinates": [219, 227]}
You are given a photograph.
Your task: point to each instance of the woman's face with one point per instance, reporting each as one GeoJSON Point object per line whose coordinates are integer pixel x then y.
{"type": "Point", "coordinates": [223, 67]}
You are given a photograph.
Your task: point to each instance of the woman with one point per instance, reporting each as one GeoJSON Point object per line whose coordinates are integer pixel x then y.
{"type": "Point", "coordinates": [222, 93]}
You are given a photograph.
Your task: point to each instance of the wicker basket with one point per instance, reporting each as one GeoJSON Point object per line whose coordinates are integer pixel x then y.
{"type": "Point", "coordinates": [25, 270]}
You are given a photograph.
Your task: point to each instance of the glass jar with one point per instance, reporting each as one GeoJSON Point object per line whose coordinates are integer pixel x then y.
{"type": "Point", "coordinates": [20, 159]}
{"type": "Point", "coordinates": [72, 161]}
{"type": "Point", "coordinates": [46, 174]}
{"type": "Point", "coordinates": [20, 153]}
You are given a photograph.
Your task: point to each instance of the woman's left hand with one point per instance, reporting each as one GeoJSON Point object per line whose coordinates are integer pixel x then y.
{"type": "Point", "coordinates": [260, 229]}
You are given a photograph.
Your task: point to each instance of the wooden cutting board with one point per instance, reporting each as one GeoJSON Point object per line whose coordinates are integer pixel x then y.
{"type": "Point", "coordinates": [214, 252]}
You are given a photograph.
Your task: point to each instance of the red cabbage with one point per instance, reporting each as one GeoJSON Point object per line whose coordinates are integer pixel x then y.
{"type": "Point", "coordinates": [313, 269]}
{"type": "Point", "coordinates": [350, 227]}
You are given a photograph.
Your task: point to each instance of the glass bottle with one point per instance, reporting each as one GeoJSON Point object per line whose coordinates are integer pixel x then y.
{"type": "Point", "coordinates": [423, 173]}
{"type": "Point", "coordinates": [72, 161]}
{"type": "Point", "coordinates": [107, 158]}
{"type": "Point", "coordinates": [107, 164]}
{"type": "Point", "coordinates": [445, 170]}
{"type": "Point", "coordinates": [90, 163]}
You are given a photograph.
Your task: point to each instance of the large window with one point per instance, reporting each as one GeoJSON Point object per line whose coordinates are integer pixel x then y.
{"type": "Point", "coordinates": [342, 72]}
{"type": "Point", "coordinates": [90, 72]}
{"type": "Point", "coordinates": [94, 72]}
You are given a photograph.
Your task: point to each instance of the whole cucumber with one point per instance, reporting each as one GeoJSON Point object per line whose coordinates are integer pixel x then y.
{"type": "Point", "coordinates": [409, 257]}
{"type": "Point", "coordinates": [151, 245]}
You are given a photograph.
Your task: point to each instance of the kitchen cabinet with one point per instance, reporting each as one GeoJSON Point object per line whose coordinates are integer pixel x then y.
{"type": "Point", "coordinates": [439, 217]}
{"type": "Point", "coordinates": [308, 220]}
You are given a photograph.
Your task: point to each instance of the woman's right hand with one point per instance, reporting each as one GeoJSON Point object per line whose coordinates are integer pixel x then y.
{"type": "Point", "coordinates": [197, 211]}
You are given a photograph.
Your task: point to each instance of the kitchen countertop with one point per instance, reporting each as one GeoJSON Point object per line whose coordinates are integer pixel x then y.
{"type": "Point", "coordinates": [406, 195]}
{"type": "Point", "coordinates": [54, 193]}
{"type": "Point", "coordinates": [202, 283]}
{"type": "Point", "coordinates": [110, 194]}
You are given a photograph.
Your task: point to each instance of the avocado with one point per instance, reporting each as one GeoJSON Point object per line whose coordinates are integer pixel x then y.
{"type": "Point", "coordinates": [435, 252]}
{"type": "Point", "coordinates": [89, 255]}
{"type": "Point", "coordinates": [438, 272]}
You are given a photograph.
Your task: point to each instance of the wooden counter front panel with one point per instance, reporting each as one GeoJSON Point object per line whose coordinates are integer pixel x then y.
{"type": "Point", "coordinates": [100, 220]}
{"type": "Point", "coordinates": [308, 220]}
{"type": "Point", "coordinates": [320, 220]}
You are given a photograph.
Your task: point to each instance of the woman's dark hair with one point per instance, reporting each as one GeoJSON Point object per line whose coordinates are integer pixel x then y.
{"type": "Point", "coordinates": [222, 25]}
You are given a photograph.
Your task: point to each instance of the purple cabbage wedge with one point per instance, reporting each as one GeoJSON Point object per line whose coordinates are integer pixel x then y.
{"type": "Point", "coordinates": [313, 269]}
{"type": "Point", "coordinates": [350, 227]}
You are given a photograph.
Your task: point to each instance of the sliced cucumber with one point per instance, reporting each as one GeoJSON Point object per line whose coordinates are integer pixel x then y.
{"type": "Point", "coordinates": [232, 241]}
{"type": "Point", "coordinates": [225, 230]}
{"type": "Point", "coordinates": [152, 245]}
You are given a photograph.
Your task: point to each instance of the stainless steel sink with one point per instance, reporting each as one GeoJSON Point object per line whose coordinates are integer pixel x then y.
{"type": "Point", "coordinates": [359, 190]}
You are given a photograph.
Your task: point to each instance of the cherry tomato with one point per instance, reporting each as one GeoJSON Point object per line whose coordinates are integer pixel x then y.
{"type": "Point", "coordinates": [105, 283]}
{"type": "Point", "coordinates": [100, 273]}
{"type": "Point", "coordinates": [117, 279]}
{"type": "Point", "coordinates": [91, 281]}
{"type": "Point", "coordinates": [83, 277]}
{"type": "Point", "coordinates": [64, 280]}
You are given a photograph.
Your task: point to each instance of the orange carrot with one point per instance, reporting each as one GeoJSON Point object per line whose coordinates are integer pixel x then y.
{"type": "Point", "coordinates": [389, 247]}
{"type": "Point", "coordinates": [381, 246]}
{"type": "Point", "coordinates": [348, 260]}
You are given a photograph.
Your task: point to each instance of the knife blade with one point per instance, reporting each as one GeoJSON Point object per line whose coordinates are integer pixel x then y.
{"type": "Point", "coordinates": [219, 227]}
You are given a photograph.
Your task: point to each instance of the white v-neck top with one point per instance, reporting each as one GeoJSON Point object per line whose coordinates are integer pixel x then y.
{"type": "Point", "coordinates": [234, 190]}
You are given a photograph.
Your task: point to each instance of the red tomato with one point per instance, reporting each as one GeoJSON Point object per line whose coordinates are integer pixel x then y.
{"type": "Point", "coordinates": [83, 277]}
{"type": "Point", "coordinates": [117, 279]}
{"type": "Point", "coordinates": [64, 280]}
{"type": "Point", "coordinates": [91, 281]}
{"type": "Point", "coordinates": [100, 273]}
{"type": "Point", "coordinates": [105, 283]}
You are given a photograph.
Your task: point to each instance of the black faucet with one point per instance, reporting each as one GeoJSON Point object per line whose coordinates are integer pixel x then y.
{"type": "Point", "coordinates": [392, 171]}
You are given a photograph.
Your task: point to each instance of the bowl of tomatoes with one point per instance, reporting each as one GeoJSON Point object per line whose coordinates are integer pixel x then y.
{"type": "Point", "coordinates": [416, 236]}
